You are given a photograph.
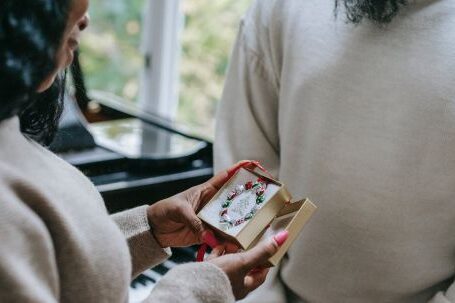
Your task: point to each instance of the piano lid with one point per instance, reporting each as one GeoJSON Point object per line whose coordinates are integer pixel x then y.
{"type": "Point", "coordinates": [136, 139]}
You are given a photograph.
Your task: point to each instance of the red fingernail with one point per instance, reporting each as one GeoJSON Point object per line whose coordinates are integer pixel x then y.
{"type": "Point", "coordinates": [255, 270]}
{"type": "Point", "coordinates": [281, 237]}
{"type": "Point", "coordinates": [210, 239]}
{"type": "Point", "coordinates": [231, 173]}
{"type": "Point", "coordinates": [234, 169]}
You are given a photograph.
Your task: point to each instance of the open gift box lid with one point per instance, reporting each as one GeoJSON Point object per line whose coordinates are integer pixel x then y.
{"type": "Point", "coordinates": [277, 211]}
{"type": "Point", "coordinates": [292, 218]}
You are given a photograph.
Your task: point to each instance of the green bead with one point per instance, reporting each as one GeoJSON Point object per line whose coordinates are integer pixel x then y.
{"type": "Point", "coordinates": [248, 216]}
{"type": "Point", "coordinates": [260, 199]}
{"type": "Point", "coordinates": [226, 204]}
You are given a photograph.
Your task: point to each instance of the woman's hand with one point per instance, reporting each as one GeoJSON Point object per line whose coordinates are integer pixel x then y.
{"type": "Point", "coordinates": [173, 220]}
{"type": "Point", "coordinates": [247, 270]}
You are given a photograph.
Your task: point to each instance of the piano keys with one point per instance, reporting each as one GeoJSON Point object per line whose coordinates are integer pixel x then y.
{"type": "Point", "coordinates": [141, 287]}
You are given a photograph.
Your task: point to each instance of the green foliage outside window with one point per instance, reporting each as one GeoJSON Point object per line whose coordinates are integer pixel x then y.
{"type": "Point", "coordinates": [112, 61]}
{"type": "Point", "coordinates": [210, 30]}
{"type": "Point", "coordinates": [110, 53]}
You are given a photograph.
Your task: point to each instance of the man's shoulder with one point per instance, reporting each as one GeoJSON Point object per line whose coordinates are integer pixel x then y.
{"type": "Point", "coordinates": [262, 25]}
{"type": "Point", "coordinates": [266, 13]}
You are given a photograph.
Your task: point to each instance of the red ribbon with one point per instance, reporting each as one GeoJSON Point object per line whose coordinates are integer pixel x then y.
{"type": "Point", "coordinates": [201, 252]}
{"type": "Point", "coordinates": [203, 247]}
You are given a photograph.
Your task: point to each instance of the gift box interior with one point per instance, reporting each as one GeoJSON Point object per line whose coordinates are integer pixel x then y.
{"type": "Point", "coordinates": [252, 206]}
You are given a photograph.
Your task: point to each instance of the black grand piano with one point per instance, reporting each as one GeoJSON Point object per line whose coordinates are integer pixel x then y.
{"type": "Point", "coordinates": [132, 158]}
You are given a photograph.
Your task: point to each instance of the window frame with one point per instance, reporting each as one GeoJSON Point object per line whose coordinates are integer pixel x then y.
{"type": "Point", "coordinates": [161, 47]}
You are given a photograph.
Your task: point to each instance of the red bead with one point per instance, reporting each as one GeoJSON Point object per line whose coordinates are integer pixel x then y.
{"type": "Point", "coordinates": [248, 185]}
{"type": "Point", "coordinates": [231, 195]}
{"type": "Point", "coordinates": [239, 221]}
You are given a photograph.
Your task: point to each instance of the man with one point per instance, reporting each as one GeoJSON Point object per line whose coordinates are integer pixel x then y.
{"type": "Point", "coordinates": [352, 104]}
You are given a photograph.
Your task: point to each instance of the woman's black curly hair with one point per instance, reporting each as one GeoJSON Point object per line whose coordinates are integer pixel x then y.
{"type": "Point", "coordinates": [31, 33]}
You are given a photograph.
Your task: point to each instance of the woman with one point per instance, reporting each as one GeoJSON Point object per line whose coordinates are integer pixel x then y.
{"type": "Point", "coordinates": [57, 243]}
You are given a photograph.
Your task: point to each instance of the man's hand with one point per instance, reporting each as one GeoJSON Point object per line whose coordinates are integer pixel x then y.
{"type": "Point", "coordinates": [173, 220]}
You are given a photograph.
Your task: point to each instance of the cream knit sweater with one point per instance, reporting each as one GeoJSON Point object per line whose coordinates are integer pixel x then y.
{"type": "Point", "coordinates": [58, 244]}
{"type": "Point", "coordinates": [360, 119]}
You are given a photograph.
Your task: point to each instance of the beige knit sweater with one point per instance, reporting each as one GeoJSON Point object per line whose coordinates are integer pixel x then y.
{"type": "Point", "coordinates": [58, 244]}
{"type": "Point", "coordinates": [361, 119]}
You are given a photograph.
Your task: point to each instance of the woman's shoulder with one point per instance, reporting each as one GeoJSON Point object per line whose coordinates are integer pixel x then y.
{"type": "Point", "coordinates": [27, 164]}
{"type": "Point", "coordinates": [41, 180]}
{"type": "Point", "coordinates": [19, 222]}
{"type": "Point", "coordinates": [22, 154]}
{"type": "Point", "coordinates": [27, 250]}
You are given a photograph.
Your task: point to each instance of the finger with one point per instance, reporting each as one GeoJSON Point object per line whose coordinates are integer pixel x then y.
{"type": "Point", "coordinates": [191, 220]}
{"type": "Point", "coordinates": [231, 248]}
{"type": "Point", "coordinates": [219, 179]}
{"type": "Point", "coordinates": [259, 254]}
{"type": "Point", "coordinates": [253, 281]}
{"type": "Point", "coordinates": [244, 163]}
{"type": "Point", "coordinates": [216, 252]}
{"type": "Point", "coordinates": [252, 165]}
{"type": "Point", "coordinates": [257, 269]}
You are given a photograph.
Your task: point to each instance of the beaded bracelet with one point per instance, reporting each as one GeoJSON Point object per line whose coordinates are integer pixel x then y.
{"type": "Point", "coordinates": [259, 186]}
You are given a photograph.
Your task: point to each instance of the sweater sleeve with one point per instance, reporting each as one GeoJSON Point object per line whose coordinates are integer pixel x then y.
{"type": "Point", "coordinates": [28, 268]}
{"type": "Point", "coordinates": [193, 283]}
{"type": "Point", "coordinates": [445, 297]}
{"type": "Point", "coordinates": [247, 117]}
{"type": "Point", "coordinates": [144, 249]}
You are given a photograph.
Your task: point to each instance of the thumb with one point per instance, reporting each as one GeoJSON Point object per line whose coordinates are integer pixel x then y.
{"type": "Point", "coordinates": [259, 254]}
{"type": "Point", "coordinates": [192, 221]}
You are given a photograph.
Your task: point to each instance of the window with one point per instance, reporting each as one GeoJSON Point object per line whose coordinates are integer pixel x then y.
{"type": "Point", "coordinates": [127, 40]}
{"type": "Point", "coordinates": [110, 48]}
{"type": "Point", "coordinates": [207, 41]}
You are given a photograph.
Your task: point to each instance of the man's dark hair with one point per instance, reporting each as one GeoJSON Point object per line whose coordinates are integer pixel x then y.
{"type": "Point", "coordinates": [378, 11]}
{"type": "Point", "coordinates": [31, 33]}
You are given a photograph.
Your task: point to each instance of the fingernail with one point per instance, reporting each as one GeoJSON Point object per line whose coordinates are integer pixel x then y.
{"type": "Point", "coordinates": [255, 270]}
{"type": "Point", "coordinates": [233, 170]}
{"type": "Point", "coordinates": [231, 173]}
{"type": "Point", "coordinates": [239, 165]}
{"type": "Point", "coordinates": [281, 237]}
{"type": "Point", "coordinates": [210, 239]}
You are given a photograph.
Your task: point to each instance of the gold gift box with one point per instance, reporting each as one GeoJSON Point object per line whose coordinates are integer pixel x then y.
{"type": "Point", "coordinates": [276, 213]}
